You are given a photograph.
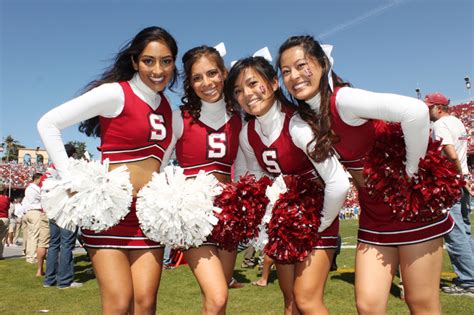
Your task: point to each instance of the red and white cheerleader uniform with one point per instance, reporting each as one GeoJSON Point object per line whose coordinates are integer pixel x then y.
{"type": "Point", "coordinates": [356, 137]}
{"type": "Point", "coordinates": [209, 143]}
{"type": "Point", "coordinates": [275, 144]}
{"type": "Point", "coordinates": [135, 125]}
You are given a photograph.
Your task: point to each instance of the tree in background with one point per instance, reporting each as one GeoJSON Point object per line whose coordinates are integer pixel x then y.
{"type": "Point", "coordinates": [81, 148]}
{"type": "Point", "coordinates": [11, 147]}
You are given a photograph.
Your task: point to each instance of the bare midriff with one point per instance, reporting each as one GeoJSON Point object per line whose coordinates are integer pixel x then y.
{"type": "Point", "coordinates": [222, 178]}
{"type": "Point", "coordinates": [140, 172]}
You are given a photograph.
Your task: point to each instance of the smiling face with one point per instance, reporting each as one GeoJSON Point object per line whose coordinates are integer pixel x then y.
{"type": "Point", "coordinates": [207, 79]}
{"type": "Point", "coordinates": [254, 93]}
{"type": "Point", "coordinates": [155, 65]}
{"type": "Point", "coordinates": [301, 73]}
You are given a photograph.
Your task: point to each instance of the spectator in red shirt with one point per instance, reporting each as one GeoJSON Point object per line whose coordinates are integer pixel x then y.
{"type": "Point", "coordinates": [4, 221]}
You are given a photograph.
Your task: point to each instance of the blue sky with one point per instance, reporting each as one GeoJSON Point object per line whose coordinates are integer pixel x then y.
{"type": "Point", "coordinates": [51, 49]}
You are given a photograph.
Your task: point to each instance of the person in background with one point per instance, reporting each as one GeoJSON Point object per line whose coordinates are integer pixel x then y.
{"type": "Point", "coordinates": [249, 257]}
{"type": "Point", "coordinates": [21, 225]}
{"type": "Point", "coordinates": [13, 225]}
{"type": "Point", "coordinates": [167, 258]}
{"type": "Point", "coordinates": [459, 242]}
{"type": "Point", "coordinates": [60, 261]}
{"type": "Point", "coordinates": [4, 220]}
{"type": "Point", "coordinates": [267, 264]}
{"type": "Point", "coordinates": [37, 224]}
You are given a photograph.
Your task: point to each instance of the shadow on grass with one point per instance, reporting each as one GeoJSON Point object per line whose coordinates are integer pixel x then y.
{"type": "Point", "coordinates": [349, 277]}
{"type": "Point", "coordinates": [272, 278]}
{"type": "Point", "coordinates": [83, 271]}
{"type": "Point", "coordinates": [14, 257]}
{"type": "Point", "coordinates": [240, 276]}
{"type": "Point", "coordinates": [83, 258]}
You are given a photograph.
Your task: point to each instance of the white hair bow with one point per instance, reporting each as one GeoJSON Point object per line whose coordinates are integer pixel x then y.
{"type": "Point", "coordinates": [221, 49]}
{"type": "Point", "coordinates": [262, 52]}
{"type": "Point", "coordinates": [327, 50]}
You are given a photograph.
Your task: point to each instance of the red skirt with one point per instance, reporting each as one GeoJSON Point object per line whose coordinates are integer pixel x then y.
{"type": "Point", "coordinates": [208, 242]}
{"type": "Point", "coordinates": [378, 226]}
{"type": "Point", "coordinates": [127, 234]}
{"type": "Point", "coordinates": [329, 236]}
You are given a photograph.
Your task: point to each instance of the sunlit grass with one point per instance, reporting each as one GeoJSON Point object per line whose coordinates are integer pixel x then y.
{"type": "Point", "coordinates": [23, 293]}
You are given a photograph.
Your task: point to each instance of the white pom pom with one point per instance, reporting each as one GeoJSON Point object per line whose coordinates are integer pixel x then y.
{"type": "Point", "coordinates": [54, 200]}
{"type": "Point", "coordinates": [176, 211]}
{"type": "Point", "coordinates": [273, 193]}
{"type": "Point", "coordinates": [98, 199]}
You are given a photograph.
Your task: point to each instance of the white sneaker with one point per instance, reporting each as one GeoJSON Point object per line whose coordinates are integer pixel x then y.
{"type": "Point", "coordinates": [72, 285]}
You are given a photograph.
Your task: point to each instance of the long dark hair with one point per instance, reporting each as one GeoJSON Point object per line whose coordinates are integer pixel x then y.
{"type": "Point", "coordinates": [262, 67]}
{"type": "Point", "coordinates": [191, 102]}
{"type": "Point", "coordinates": [122, 68]}
{"type": "Point", "coordinates": [320, 123]}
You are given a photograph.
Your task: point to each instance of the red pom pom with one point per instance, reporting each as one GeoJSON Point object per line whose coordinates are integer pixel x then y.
{"type": "Point", "coordinates": [427, 195]}
{"type": "Point", "coordinates": [243, 205]}
{"type": "Point", "coordinates": [293, 227]}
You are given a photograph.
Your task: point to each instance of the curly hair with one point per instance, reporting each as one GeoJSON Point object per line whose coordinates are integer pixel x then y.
{"type": "Point", "coordinates": [320, 122]}
{"type": "Point", "coordinates": [191, 101]}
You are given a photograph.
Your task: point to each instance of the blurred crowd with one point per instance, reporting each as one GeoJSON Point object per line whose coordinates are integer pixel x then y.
{"type": "Point", "coordinates": [19, 174]}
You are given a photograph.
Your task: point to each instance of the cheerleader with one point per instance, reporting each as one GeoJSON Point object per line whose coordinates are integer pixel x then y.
{"type": "Point", "coordinates": [206, 135]}
{"type": "Point", "coordinates": [127, 109]}
{"type": "Point", "coordinates": [274, 142]}
{"type": "Point", "coordinates": [345, 118]}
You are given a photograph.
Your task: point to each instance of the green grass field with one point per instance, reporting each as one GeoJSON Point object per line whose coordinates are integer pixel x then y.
{"type": "Point", "coordinates": [22, 292]}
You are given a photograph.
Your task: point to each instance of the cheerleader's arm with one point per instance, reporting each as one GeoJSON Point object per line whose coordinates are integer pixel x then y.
{"type": "Point", "coordinates": [356, 106]}
{"type": "Point", "coordinates": [177, 127]}
{"type": "Point", "coordinates": [246, 162]}
{"type": "Point", "coordinates": [106, 100]}
{"type": "Point", "coordinates": [330, 170]}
